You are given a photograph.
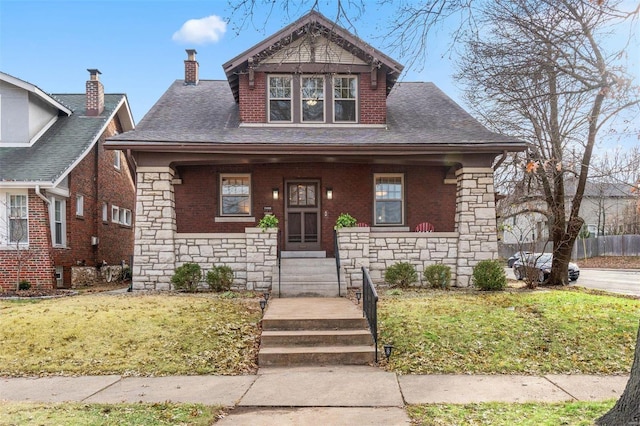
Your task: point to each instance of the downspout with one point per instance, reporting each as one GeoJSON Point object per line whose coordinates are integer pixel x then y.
{"type": "Point", "coordinates": [41, 195]}
{"type": "Point", "coordinates": [501, 160]}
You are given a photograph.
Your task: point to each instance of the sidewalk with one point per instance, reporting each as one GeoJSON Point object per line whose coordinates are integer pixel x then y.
{"type": "Point", "coordinates": [335, 394]}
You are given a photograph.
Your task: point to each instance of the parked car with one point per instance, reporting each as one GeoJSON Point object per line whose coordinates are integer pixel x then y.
{"type": "Point", "coordinates": [515, 257]}
{"type": "Point", "coordinates": [539, 266]}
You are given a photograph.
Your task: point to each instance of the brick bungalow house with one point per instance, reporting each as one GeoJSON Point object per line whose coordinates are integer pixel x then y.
{"type": "Point", "coordinates": [309, 124]}
{"type": "Point", "coordinates": [64, 200]}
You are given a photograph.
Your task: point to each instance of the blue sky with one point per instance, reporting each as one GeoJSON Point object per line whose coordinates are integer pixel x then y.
{"type": "Point", "coordinates": [139, 45]}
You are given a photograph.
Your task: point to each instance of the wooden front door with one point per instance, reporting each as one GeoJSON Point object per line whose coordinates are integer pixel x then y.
{"type": "Point", "coordinates": [302, 226]}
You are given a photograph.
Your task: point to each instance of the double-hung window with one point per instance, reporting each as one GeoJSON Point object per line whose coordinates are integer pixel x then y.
{"type": "Point", "coordinates": [235, 195]}
{"type": "Point", "coordinates": [18, 219]}
{"type": "Point", "coordinates": [58, 222]}
{"type": "Point", "coordinates": [116, 159]}
{"type": "Point", "coordinates": [345, 96]}
{"type": "Point", "coordinates": [389, 199]}
{"type": "Point", "coordinates": [312, 90]}
{"type": "Point", "coordinates": [280, 98]}
{"type": "Point", "coordinates": [79, 205]}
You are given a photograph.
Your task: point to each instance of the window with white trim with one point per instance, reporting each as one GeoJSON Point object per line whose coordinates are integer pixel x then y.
{"type": "Point", "coordinates": [18, 215]}
{"type": "Point", "coordinates": [235, 195]}
{"type": "Point", "coordinates": [58, 221]}
{"type": "Point", "coordinates": [105, 212]}
{"type": "Point", "coordinates": [115, 214]}
{"type": "Point", "coordinates": [312, 97]}
{"type": "Point", "coordinates": [345, 98]}
{"type": "Point", "coordinates": [389, 199]}
{"type": "Point", "coordinates": [79, 205]}
{"type": "Point", "coordinates": [116, 159]}
{"type": "Point", "coordinates": [280, 98]}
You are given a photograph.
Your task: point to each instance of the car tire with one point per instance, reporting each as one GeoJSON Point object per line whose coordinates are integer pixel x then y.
{"type": "Point", "coordinates": [517, 273]}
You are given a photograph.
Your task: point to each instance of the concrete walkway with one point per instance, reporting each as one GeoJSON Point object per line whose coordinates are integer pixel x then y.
{"type": "Point", "coordinates": [337, 395]}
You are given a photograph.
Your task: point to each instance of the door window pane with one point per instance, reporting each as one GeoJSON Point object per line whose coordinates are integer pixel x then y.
{"type": "Point", "coordinates": [302, 195]}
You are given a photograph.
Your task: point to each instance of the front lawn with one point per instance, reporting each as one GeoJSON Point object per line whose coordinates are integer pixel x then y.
{"type": "Point", "coordinates": [162, 334]}
{"type": "Point", "coordinates": [534, 332]}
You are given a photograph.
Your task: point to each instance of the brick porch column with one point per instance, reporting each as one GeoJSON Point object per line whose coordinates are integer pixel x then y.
{"type": "Point", "coordinates": [154, 258]}
{"type": "Point", "coordinates": [475, 220]}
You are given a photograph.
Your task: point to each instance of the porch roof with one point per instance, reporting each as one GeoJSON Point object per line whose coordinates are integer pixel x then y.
{"type": "Point", "coordinates": [205, 118]}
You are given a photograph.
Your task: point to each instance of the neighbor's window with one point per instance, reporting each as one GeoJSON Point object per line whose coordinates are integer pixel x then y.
{"type": "Point", "coordinates": [389, 199]}
{"type": "Point", "coordinates": [345, 98]}
{"type": "Point", "coordinates": [280, 98]}
{"type": "Point", "coordinates": [79, 205]}
{"type": "Point", "coordinates": [115, 214]}
{"type": "Point", "coordinates": [116, 159]}
{"type": "Point", "coordinates": [105, 212]}
{"type": "Point", "coordinates": [235, 195]}
{"type": "Point", "coordinates": [58, 231]}
{"type": "Point", "coordinates": [312, 89]}
{"type": "Point", "coordinates": [18, 219]}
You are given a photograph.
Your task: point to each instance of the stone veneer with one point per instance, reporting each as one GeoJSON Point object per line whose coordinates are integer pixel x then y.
{"type": "Point", "coordinates": [475, 220]}
{"type": "Point", "coordinates": [378, 250]}
{"type": "Point", "coordinates": [159, 249]}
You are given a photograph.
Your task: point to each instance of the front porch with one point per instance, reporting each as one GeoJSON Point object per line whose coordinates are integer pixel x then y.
{"type": "Point", "coordinates": [253, 254]}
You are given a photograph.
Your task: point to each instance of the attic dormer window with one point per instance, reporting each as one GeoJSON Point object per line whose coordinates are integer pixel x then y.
{"type": "Point", "coordinates": [280, 98]}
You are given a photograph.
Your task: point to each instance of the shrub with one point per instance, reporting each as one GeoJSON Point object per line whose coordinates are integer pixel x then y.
{"type": "Point", "coordinates": [438, 276]}
{"type": "Point", "coordinates": [489, 275]}
{"type": "Point", "coordinates": [24, 285]}
{"type": "Point", "coordinates": [187, 277]}
{"type": "Point", "coordinates": [345, 220]}
{"type": "Point", "coordinates": [402, 274]}
{"type": "Point", "coordinates": [220, 278]}
{"type": "Point", "coordinates": [269, 220]}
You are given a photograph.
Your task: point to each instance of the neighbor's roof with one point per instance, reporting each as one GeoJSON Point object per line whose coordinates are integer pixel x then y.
{"type": "Point", "coordinates": [417, 114]}
{"type": "Point", "coordinates": [50, 99]}
{"type": "Point", "coordinates": [53, 155]}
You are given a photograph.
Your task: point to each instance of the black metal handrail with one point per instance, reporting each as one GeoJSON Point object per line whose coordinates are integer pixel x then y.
{"type": "Point", "coordinates": [370, 306]}
{"type": "Point", "coordinates": [278, 250]}
{"type": "Point", "coordinates": [336, 250]}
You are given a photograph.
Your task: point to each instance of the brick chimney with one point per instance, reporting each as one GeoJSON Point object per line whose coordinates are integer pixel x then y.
{"type": "Point", "coordinates": [191, 68]}
{"type": "Point", "coordinates": [95, 93]}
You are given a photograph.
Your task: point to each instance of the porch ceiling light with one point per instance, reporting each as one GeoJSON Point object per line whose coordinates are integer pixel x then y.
{"type": "Point", "coordinates": [276, 193]}
{"type": "Point", "coordinates": [329, 193]}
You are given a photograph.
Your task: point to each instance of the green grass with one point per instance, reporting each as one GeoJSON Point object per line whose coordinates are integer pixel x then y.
{"type": "Point", "coordinates": [533, 414]}
{"type": "Point", "coordinates": [539, 332]}
{"type": "Point", "coordinates": [111, 414]}
{"type": "Point", "coordinates": [164, 334]}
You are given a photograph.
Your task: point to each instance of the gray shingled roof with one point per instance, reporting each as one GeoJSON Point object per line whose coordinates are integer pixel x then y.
{"type": "Point", "coordinates": [61, 146]}
{"type": "Point", "coordinates": [417, 114]}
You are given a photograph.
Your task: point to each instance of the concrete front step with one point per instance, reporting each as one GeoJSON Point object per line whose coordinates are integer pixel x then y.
{"type": "Point", "coordinates": [274, 338]}
{"type": "Point", "coordinates": [314, 355]}
{"type": "Point", "coordinates": [314, 331]}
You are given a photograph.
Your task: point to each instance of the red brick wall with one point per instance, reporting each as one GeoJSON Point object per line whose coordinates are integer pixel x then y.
{"type": "Point", "coordinates": [429, 199]}
{"type": "Point", "coordinates": [37, 266]}
{"type": "Point", "coordinates": [372, 102]}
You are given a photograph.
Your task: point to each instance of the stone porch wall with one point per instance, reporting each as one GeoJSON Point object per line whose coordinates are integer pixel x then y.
{"type": "Point", "coordinates": [378, 250]}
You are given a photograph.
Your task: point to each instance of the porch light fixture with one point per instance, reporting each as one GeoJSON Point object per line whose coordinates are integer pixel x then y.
{"type": "Point", "coordinates": [263, 304]}
{"type": "Point", "coordinates": [358, 296]}
{"type": "Point", "coordinates": [276, 193]}
{"type": "Point", "coordinates": [387, 351]}
{"type": "Point", "coordinates": [329, 193]}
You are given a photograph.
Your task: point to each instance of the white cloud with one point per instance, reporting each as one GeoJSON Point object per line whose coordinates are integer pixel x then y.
{"type": "Point", "coordinates": [201, 31]}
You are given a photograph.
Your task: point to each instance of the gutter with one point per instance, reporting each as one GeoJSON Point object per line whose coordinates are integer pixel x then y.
{"type": "Point", "coordinates": [501, 160]}
{"type": "Point", "coordinates": [39, 194]}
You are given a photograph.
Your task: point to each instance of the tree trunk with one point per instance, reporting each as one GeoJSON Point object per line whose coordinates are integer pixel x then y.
{"type": "Point", "coordinates": [627, 409]}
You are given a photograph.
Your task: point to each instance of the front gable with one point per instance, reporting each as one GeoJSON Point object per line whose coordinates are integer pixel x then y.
{"type": "Point", "coordinates": [312, 73]}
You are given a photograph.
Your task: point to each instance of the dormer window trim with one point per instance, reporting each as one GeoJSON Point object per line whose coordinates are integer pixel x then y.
{"type": "Point", "coordinates": [278, 93]}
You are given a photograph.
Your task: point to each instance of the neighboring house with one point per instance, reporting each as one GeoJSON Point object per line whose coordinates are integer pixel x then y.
{"type": "Point", "coordinates": [64, 200]}
{"type": "Point", "coordinates": [309, 124]}
{"type": "Point", "coordinates": [607, 209]}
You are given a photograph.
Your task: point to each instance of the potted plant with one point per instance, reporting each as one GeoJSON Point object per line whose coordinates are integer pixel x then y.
{"type": "Point", "coordinates": [345, 220]}
{"type": "Point", "coordinates": [268, 221]}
